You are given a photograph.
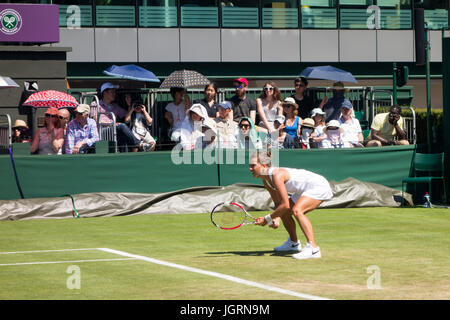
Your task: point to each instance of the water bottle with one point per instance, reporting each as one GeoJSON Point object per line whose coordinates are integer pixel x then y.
{"type": "Point", "coordinates": [427, 203]}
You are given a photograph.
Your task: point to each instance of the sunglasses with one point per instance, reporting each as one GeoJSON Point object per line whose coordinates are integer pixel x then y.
{"type": "Point", "coordinates": [268, 88]}
{"type": "Point", "coordinates": [238, 87]}
{"type": "Point", "coordinates": [299, 85]}
{"type": "Point", "coordinates": [62, 118]}
{"type": "Point", "coordinates": [244, 126]}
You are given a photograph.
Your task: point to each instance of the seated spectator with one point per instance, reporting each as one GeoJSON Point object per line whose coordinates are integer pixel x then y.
{"type": "Point", "coordinates": [209, 129]}
{"type": "Point", "coordinates": [305, 133]}
{"type": "Point", "coordinates": [125, 138]}
{"type": "Point", "coordinates": [176, 111]}
{"type": "Point", "coordinates": [304, 103]}
{"type": "Point", "coordinates": [268, 106]}
{"type": "Point", "coordinates": [333, 106]}
{"type": "Point", "coordinates": [139, 122]}
{"type": "Point", "coordinates": [20, 132]}
{"type": "Point", "coordinates": [386, 127]}
{"type": "Point", "coordinates": [247, 137]}
{"type": "Point", "coordinates": [352, 133]}
{"type": "Point", "coordinates": [191, 132]}
{"type": "Point", "coordinates": [82, 132]}
{"type": "Point", "coordinates": [293, 122]}
{"type": "Point", "coordinates": [64, 117]}
{"type": "Point", "coordinates": [319, 125]}
{"type": "Point", "coordinates": [279, 139]}
{"type": "Point", "coordinates": [243, 106]}
{"type": "Point", "coordinates": [209, 101]}
{"type": "Point", "coordinates": [226, 127]}
{"type": "Point", "coordinates": [50, 138]}
{"type": "Point", "coordinates": [334, 133]}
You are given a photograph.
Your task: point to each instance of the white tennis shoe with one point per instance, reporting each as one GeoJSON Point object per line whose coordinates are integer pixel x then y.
{"type": "Point", "coordinates": [308, 252]}
{"type": "Point", "coordinates": [289, 245]}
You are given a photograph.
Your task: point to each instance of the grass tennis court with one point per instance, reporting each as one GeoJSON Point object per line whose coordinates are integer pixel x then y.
{"type": "Point", "coordinates": [409, 246]}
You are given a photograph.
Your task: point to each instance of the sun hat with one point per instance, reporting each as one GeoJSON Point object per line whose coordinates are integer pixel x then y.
{"type": "Point", "coordinates": [83, 108]}
{"type": "Point", "coordinates": [308, 122]}
{"type": "Point", "coordinates": [317, 111]}
{"type": "Point", "coordinates": [290, 101]}
{"type": "Point", "coordinates": [333, 124]}
{"type": "Point", "coordinates": [20, 124]}
{"type": "Point", "coordinates": [52, 111]}
{"type": "Point", "coordinates": [107, 85]}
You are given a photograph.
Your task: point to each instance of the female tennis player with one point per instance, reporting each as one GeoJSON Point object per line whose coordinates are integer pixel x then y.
{"type": "Point", "coordinates": [308, 191]}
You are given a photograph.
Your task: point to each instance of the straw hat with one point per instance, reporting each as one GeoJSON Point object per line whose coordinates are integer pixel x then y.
{"type": "Point", "coordinates": [333, 124]}
{"type": "Point", "coordinates": [20, 124]}
{"type": "Point", "coordinates": [290, 101]}
{"type": "Point", "coordinates": [308, 122]}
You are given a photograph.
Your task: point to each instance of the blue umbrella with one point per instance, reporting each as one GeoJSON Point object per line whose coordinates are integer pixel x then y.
{"type": "Point", "coordinates": [132, 72]}
{"type": "Point", "coordinates": [327, 73]}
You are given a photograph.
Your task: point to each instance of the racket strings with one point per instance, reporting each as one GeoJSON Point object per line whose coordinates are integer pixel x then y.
{"type": "Point", "coordinates": [228, 219]}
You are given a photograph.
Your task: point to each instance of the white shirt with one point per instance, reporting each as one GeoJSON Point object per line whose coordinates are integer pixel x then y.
{"type": "Point", "coordinates": [351, 130]}
{"type": "Point", "coordinates": [178, 113]}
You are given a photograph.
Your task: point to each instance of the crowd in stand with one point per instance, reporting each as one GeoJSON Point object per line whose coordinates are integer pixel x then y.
{"type": "Point", "coordinates": [294, 122]}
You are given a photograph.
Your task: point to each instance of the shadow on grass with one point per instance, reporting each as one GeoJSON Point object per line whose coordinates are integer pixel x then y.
{"type": "Point", "coordinates": [252, 253]}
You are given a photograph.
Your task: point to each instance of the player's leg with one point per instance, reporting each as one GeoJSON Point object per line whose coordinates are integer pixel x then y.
{"type": "Point", "coordinates": [292, 243]}
{"type": "Point", "coordinates": [300, 209]}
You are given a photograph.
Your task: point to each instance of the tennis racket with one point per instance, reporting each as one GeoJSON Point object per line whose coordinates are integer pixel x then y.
{"type": "Point", "coordinates": [230, 216]}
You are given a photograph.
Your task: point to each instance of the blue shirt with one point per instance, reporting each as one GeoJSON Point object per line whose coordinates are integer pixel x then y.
{"type": "Point", "coordinates": [292, 130]}
{"type": "Point", "coordinates": [76, 133]}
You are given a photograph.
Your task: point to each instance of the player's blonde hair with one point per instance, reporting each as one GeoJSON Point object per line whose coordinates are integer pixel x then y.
{"type": "Point", "coordinates": [263, 157]}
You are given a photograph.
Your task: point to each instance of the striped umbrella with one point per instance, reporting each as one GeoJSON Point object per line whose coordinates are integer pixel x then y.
{"type": "Point", "coordinates": [185, 79]}
{"type": "Point", "coordinates": [51, 98]}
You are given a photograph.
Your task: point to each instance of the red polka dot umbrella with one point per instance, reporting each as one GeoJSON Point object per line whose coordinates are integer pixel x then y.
{"type": "Point", "coordinates": [51, 98]}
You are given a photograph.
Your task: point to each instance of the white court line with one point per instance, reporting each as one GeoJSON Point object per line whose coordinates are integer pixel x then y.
{"type": "Point", "coordinates": [54, 262]}
{"type": "Point", "coordinates": [38, 251]}
{"type": "Point", "coordinates": [215, 274]}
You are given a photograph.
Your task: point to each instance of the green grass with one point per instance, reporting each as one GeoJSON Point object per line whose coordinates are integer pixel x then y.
{"type": "Point", "coordinates": [410, 246]}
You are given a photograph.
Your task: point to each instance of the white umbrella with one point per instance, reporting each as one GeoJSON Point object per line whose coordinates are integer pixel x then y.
{"type": "Point", "coordinates": [7, 82]}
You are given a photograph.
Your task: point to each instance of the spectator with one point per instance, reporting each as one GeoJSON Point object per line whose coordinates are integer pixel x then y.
{"type": "Point", "coordinates": [247, 136]}
{"type": "Point", "coordinates": [293, 122]}
{"type": "Point", "coordinates": [176, 111]}
{"type": "Point", "coordinates": [304, 103]}
{"type": "Point", "coordinates": [82, 132]}
{"type": "Point", "coordinates": [64, 117]}
{"type": "Point", "coordinates": [305, 133]}
{"type": "Point", "coordinates": [50, 138]}
{"type": "Point", "coordinates": [268, 106]}
{"type": "Point", "coordinates": [333, 106]}
{"type": "Point", "coordinates": [243, 106]}
{"type": "Point", "coordinates": [352, 133]}
{"type": "Point", "coordinates": [386, 127]}
{"type": "Point", "coordinates": [334, 132]}
{"type": "Point", "coordinates": [139, 122]}
{"type": "Point", "coordinates": [209, 130]}
{"type": "Point", "coordinates": [209, 101]}
{"type": "Point", "coordinates": [279, 138]}
{"type": "Point", "coordinates": [191, 132]}
{"type": "Point", "coordinates": [20, 132]}
{"type": "Point", "coordinates": [226, 127]}
{"type": "Point", "coordinates": [125, 137]}
{"type": "Point", "coordinates": [319, 125]}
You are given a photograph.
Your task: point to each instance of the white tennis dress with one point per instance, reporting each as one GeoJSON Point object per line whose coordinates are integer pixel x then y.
{"type": "Point", "coordinates": [305, 183]}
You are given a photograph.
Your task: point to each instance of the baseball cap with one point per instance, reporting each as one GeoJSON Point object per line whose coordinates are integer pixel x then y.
{"type": "Point", "coordinates": [241, 80]}
{"type": "Point", "coordinates": [226, 105]}
{"type": "Point", "coordinates": [107, 85]}
{"type": "Point", "coordinates": [280, 118]}
{"type": "Point", "coordinates": [83, 108]}
{"type": "Point", "coordinates": [347, 104]}
{"type": "Point", "coordinates": [317, 111]}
